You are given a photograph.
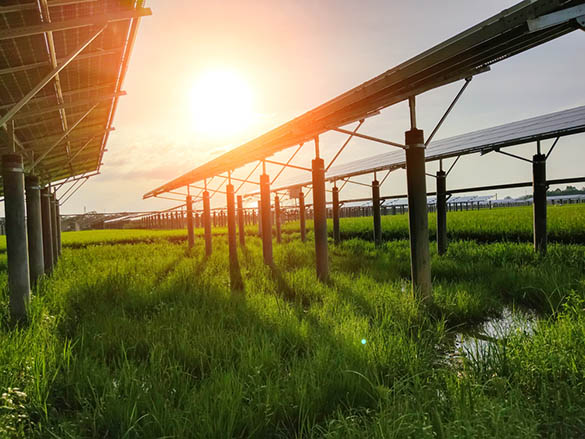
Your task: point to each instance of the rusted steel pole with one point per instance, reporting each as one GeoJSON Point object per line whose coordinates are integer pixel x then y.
{"type": "Point", "coordinates": [235, 275]}
{"type": "Point", "coordinates": [320, 215]}
{"type": "Point", "coordinates": [420, 260]}
{"type": "Point", "coordinates": [190, 231]}
{"type": "Point", "coordinates": [265, 219]}
{"type": "Point", "coordinates": [241, 221]}
{"type": "Point", "coordinates": [207, 223]}
{"type": "Point", "coordinates": [34, 226]}
{"type": "Point", "coordinates": [302, 218]}
{"type": "Point", "coordinates": [442, 242]}
{"type": "Point", "coordinates": [376, 212]}
{"type": "Point", "coordinates": [16, 238]}
{"type": "Point", "coordinates": [277, 218]}
{"type": "Point", "coordinates": [539, 202]}
{"type": "Point", "coordinates": [47, 229]}
{"type": "Point", "coordinates": [335, 208]}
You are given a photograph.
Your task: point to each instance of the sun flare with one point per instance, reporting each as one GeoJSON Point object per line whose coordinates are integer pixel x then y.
{"type": "Point", "coordinates": [222, 104]}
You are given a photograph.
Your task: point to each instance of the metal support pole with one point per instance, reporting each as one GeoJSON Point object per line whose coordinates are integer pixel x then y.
{"type": "Point", "coordinates": [302, 219]}
{"type": "Point", "coordinates": [235, 275]}
{"type": "Point", "coordinates": [259, 219]}
{"type": "Point", "coordinates": [335, 208]}
{"type": "Point", "coordinates": [34, 226]}
{"type": "Point", "coordinates": [207, 223]}
{"type": "Point", "coordinates": [265, 219]}
{"type": "Point", "coordinates": [190, 232]}
{"type": "Point", "coordinates": [376, 212]}
{"type": "Point", "coordinates": [58, 223]}
{"type": "Point", "coordinates": [16, 239]}
{"type": "Point", "coordinates": [442, 242]}
{"type": "Point", "coordinates": [417, 210]}
{"type": "Point", "coordinates": [277, 218]}
{"type": "Point", "coordinates": [241, 225]}
{"type": "Point", "coordinates": [539, 202]}
{"type": "Point", "coordinates": [320, 218]}
{"type": "Point", "coordinates": [47, 229]}
{"type": "Point", "coordinates": [55, 244]}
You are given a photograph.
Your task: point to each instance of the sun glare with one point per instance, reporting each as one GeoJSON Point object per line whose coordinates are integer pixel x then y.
{"type": "Point", "coordinates": [222, 104]}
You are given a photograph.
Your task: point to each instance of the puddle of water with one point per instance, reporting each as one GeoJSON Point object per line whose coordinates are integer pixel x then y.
{"type": "Point", "coordinates": [475, 343]}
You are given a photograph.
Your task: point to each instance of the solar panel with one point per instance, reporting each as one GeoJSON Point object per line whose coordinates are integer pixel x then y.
{"type": "Point", "coordinates": [78, 104]}
{"type": "Point", "coordinates": [558, 124]}
{"type": "Point", "coordinates": [466, 54]}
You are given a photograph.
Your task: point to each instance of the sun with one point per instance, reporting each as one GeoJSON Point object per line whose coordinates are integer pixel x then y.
{"type": "Point", "coordinates": [222, 104]}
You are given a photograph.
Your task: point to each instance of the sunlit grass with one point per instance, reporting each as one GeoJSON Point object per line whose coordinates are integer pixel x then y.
{"type": "Point", "coordinates": [147, 340]}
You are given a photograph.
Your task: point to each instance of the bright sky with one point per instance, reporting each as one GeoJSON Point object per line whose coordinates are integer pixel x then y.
{"type": "Point", "coordinates": [282, 58]}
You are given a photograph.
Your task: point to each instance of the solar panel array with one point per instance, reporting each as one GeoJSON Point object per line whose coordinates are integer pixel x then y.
{"type": "Point", "coordinates": [561, 123]}
{"type": "Point", "coordinates": [466, 54]}
{"type": "Point", "coordinates": [29, 52]}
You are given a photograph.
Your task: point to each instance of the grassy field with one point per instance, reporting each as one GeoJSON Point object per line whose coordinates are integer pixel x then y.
{"type": "Point", "coordinates": [147, 340]}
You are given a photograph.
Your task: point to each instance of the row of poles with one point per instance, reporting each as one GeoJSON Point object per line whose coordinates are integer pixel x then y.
{"type": "Point", "coordinates": [417, 211]}
{"type": "Point", "coordinates": [33, 232]}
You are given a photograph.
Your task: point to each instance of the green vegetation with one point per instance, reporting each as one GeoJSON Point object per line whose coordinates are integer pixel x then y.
{"type": "Point", "coordinates": [146, 340]}
{"type": "Point", "coordinates": [565, 224]}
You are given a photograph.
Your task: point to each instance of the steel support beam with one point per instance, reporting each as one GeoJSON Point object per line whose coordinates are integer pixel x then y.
{"type": "Point", "coordinates": [277, 218]}
{"type": "Point", "coordinates": [335, 209]}
{"type": "Point", "coordinates": [260, 219]}
{"type": "Point", "coordinates": [58, 222]}
{"type": "Point", "coordinates": [47, 230]}
{"type": "Point", "coordinates": [54, 229]}
{"type": "Point", "coordinates": [539, 202]}
{"type": "Point", "coordinates": [236, 282]}
{"type": "Point", "coordinates": [376, 212]}
{"type": "Point", "coordinates": [320, 216]}
{"type": "Point", "coordinates": [16, 238]}
{"type": "Point", "coordinates": [34, 226]}
{"type": "Point", "coordinates": [207, 222]}
{"type": "Point", "coordinates": [265, 219]}
{"type": "Point", "coordinates": [190, 231]}
{"type": "Point", "coordinates": [302, 219]}
{"type": "Point", "coordinates": [241, 225]}
{"type": "Point", "coordinates": [371, 138]}
{"type": "Point", "coordinates": [420, 260]}
{"type": "Point", "coordinates": [442, 241]}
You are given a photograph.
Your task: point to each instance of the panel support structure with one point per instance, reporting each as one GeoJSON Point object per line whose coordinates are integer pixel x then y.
{"type": "Point", "coordinates": [54, 245]}
{"type": "Point", "coordinates": [259, 219]}
{"type": "Point", "coordinates": [241, 225]}
{"type": "Point", "coordinates": [47, 230]}
{"type": "Point", "coordinates": [335, 208]}
{"type": "Point", "coordinates": [207, 223]}
{"type": "Point", "coordinates": [442, 242]}
{"type": "Point", "coordinates": [190, 231]}
{"type": "Point", "coordinates": [235, 275]}
{"type": "Point", "coordinates": [277, 218]}
{"type": "Point", "coordinates": [417, 211]}
{"type": "Point", "coordinates": [58, 223]}
{"type": "Point", "coordinates": [302, 219]}
{"type": "Point", "coordinates": [265, 219]}
{"type": "Point", "coordinates": [320, 218]}
{"type": "Point", "coordinates": [376, 212]}
{"type": "Point", "coordinates": [34, 226]}
{"type": "Point", "coordinates": [16, 239]}
{"type": "Point", "coordinates": [539, 202]}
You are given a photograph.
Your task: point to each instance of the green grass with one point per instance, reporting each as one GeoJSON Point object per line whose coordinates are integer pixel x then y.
{"type": "Point", "coordinates": [147, 340]}
{"type": "Point", "coordinates": [565, 224]}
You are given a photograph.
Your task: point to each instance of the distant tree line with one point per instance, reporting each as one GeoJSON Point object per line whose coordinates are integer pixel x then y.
{"type": "Point", "coordinates": [569, 190]}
